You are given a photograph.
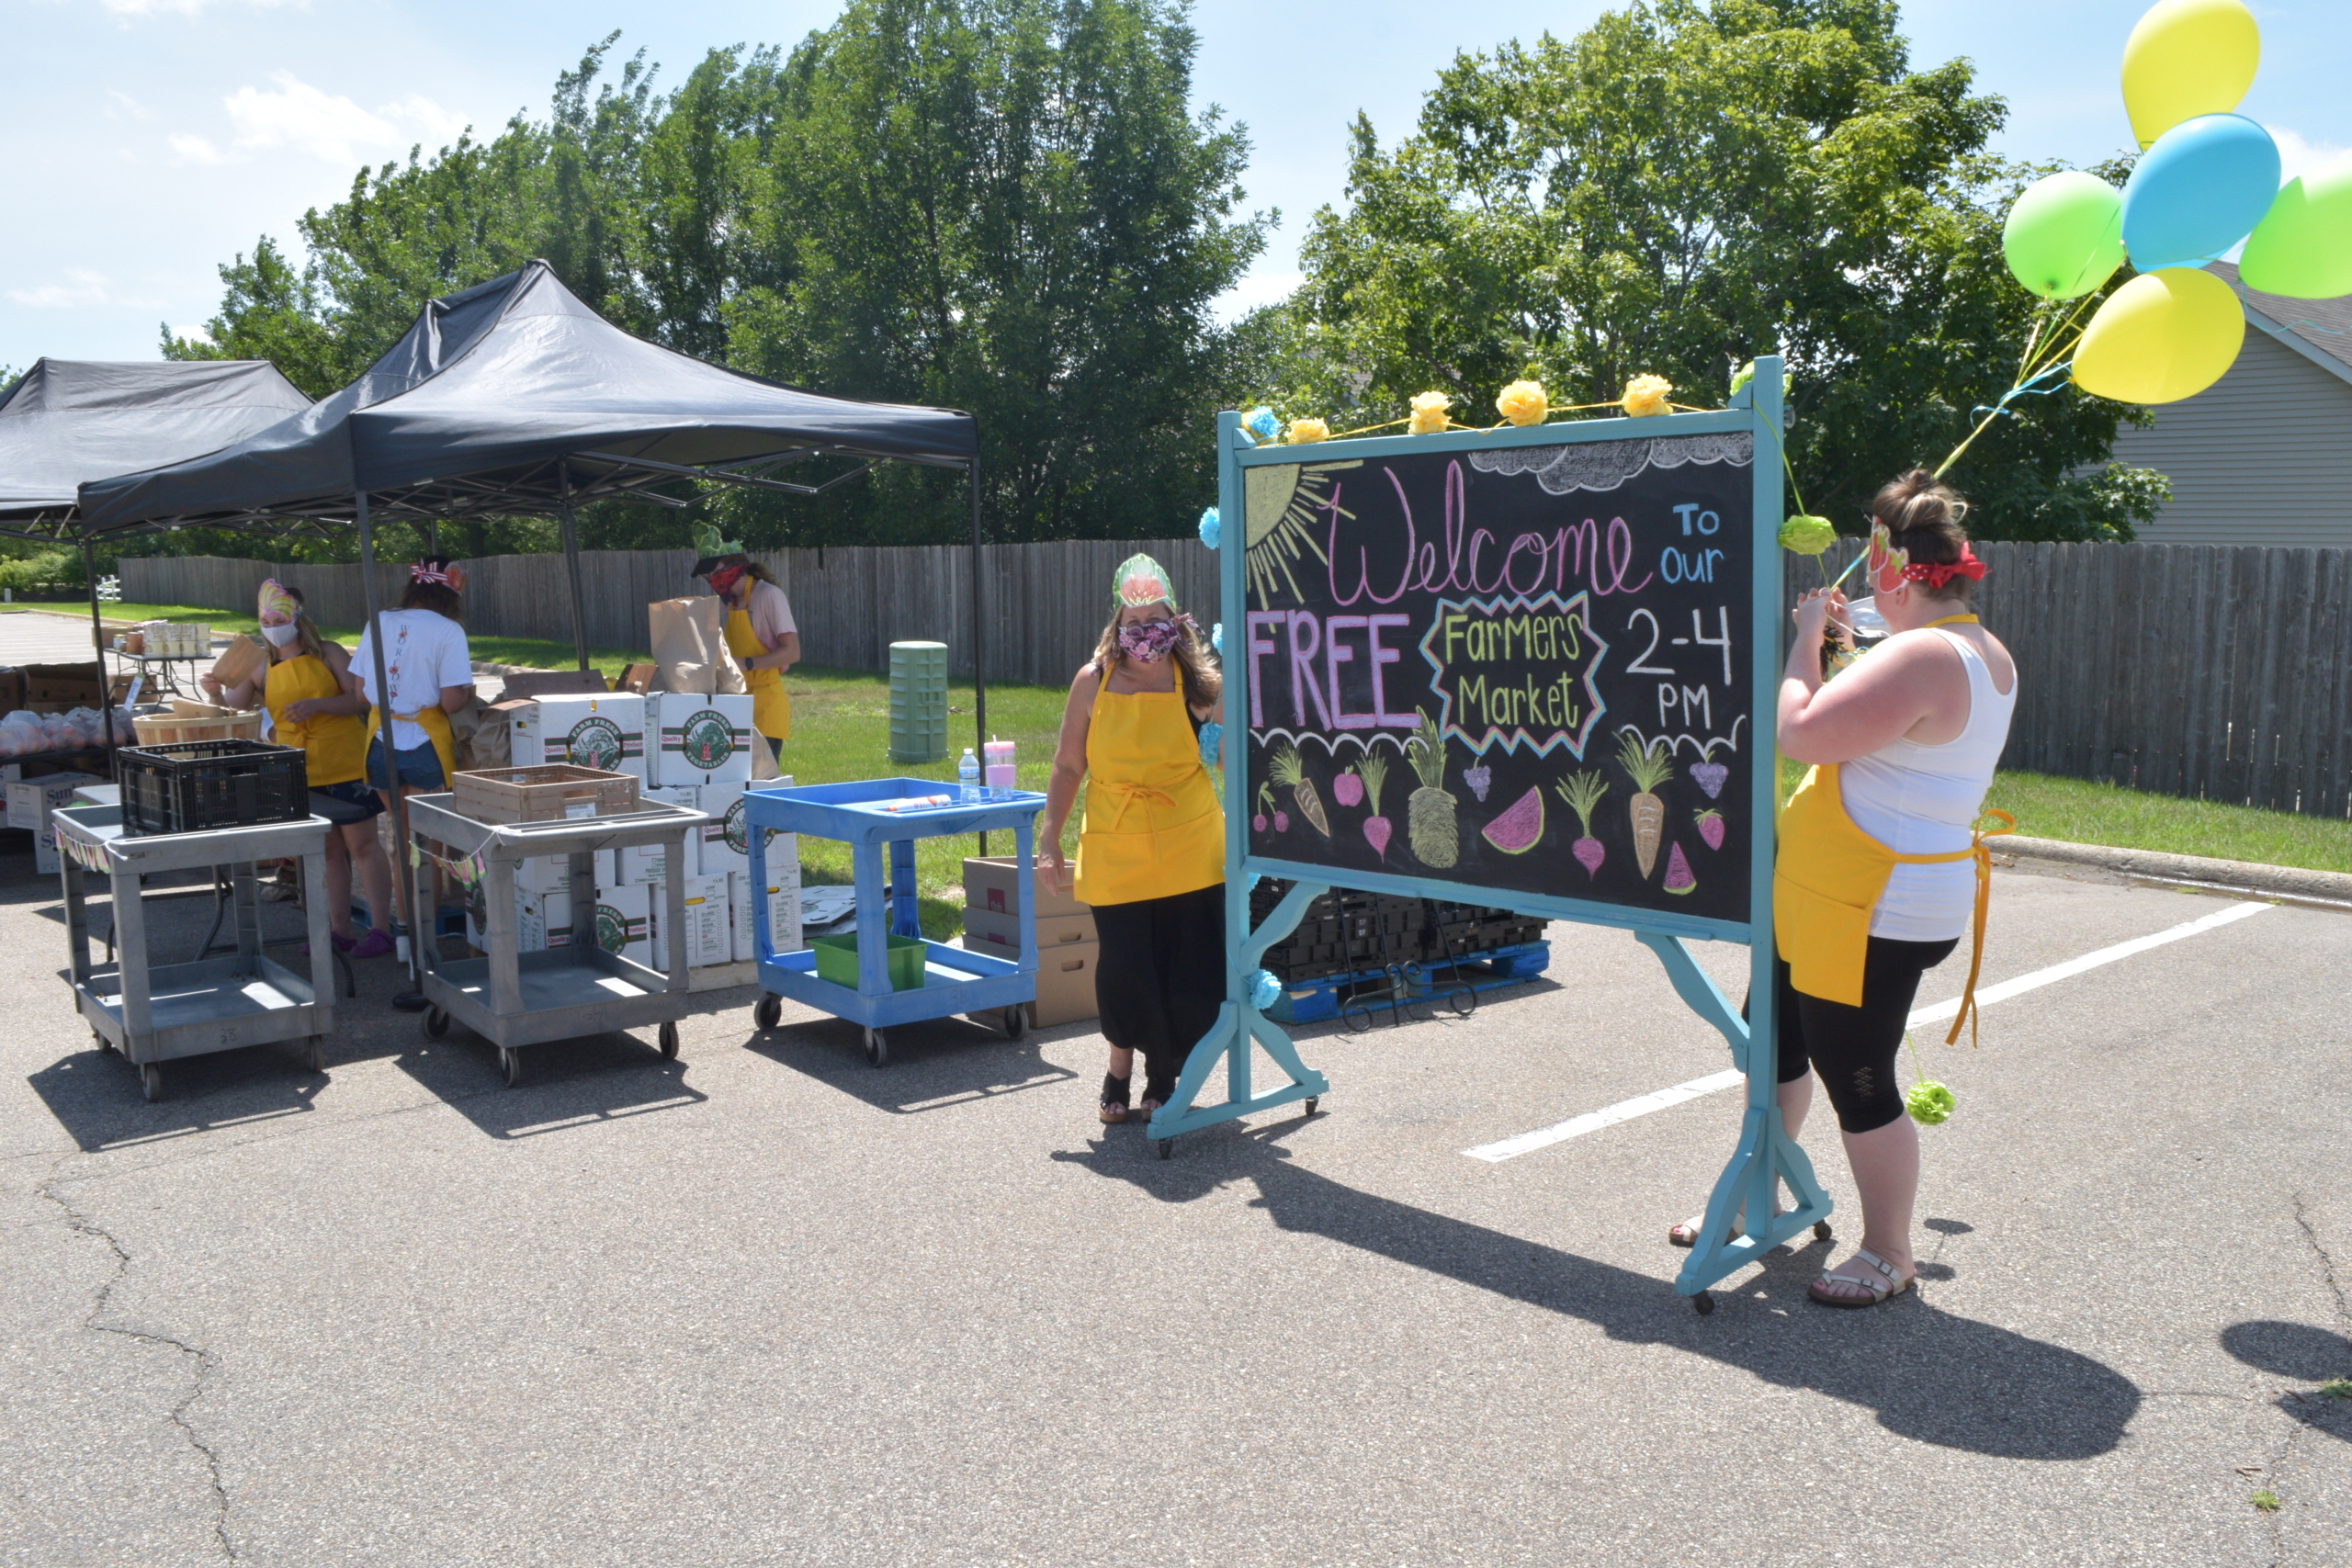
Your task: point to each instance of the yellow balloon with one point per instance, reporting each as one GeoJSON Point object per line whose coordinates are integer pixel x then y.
{"type": "Point", "coordinates": [2187, 58]}
{"type": "Point", "coordinates": [2161, 337]}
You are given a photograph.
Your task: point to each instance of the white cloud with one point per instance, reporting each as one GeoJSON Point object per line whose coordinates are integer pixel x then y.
{"type": "Point", "coordinates": [174, 7]}
{"type": "Point", "coordinates": [81, 288]}
{"type": "Point", "coordinates": [192, 334]}
{"type": "Point", "coordinates": [1265, 284]}
{"type": "Point", "coordinates": [2299, 155]}
{"type": "Point", "coordinates": [188, 149]}
{"type": "Point", "coordinates": [127, 106]}
{"type": "Point", "coordinates": [299, 117]}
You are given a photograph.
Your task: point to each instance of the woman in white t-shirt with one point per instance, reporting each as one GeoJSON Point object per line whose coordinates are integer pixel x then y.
{"type": "Point", "coordinates": [430, 674]}
{"type": "Point", "coordinates": [760, 634]}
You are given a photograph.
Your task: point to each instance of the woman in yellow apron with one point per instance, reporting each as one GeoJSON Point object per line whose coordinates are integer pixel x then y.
{"type": "Point", "coordinates": [760, 634]}
{"type": "Point", "coordinates": [1151, 846]}
{"type": "Point", "coordinates": [431, 673]}
{"type": "Point", "coordinates": [314, 704]}
{"type": "Point", "coordinates": [1882, 866]}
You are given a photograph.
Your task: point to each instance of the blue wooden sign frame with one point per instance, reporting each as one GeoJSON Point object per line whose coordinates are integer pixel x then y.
{"type": "Point", "coordinates": [1766, 1158]}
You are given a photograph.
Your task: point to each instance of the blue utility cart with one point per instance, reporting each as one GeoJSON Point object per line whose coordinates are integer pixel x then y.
{"type": "Point", "coordinates": [867, 816]}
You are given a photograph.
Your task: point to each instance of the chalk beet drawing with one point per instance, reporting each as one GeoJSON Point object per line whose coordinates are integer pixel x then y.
{"type": "Point", "coordinates": [1649, 768]}
{"type": "Point", "coordinates": [1710, 826]}
{"type": "Point", "coordinates": [1429, 813]}
{"type": "Point", "coordinates": [1678, 871]}
{"type": "Point", "coordinates": [1582, 790]}
{"type": "Point", "coordinates": [1377, 829]}
{"type": "Point", "coordinates": [1290, 771]}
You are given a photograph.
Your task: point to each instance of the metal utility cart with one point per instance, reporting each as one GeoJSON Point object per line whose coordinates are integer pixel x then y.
{"type": "Point", "coordinates": [866, 816]}
{"type": "Point", "coordinates": [155, 1013]}
{"type": "Point", "coordinates": [513, 999]}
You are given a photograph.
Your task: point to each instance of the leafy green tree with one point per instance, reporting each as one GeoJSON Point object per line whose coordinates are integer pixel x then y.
{"type": "Point", "coordinates": [1684, 185]}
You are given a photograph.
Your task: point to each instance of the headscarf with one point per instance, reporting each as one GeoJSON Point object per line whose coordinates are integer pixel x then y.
{"type": "Point", "coordinates": [1141, 581]}
{"type": "Point", "coordinates": [274, 597]}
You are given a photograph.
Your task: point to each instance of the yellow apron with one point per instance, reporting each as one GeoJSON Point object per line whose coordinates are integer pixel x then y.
{"type": "Point", "coordinates": [1828, 877]}
{"type": "Point", "coordinates": [1153, 827]}
{"type": "Point", "coordinates": [771, 708]}
{"type": "Point", "coordinates": [334, 745]}
{"type": "Point", "coordinates": [435, 724]}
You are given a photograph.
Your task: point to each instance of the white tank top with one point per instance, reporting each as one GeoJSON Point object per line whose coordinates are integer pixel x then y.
{"type": "Point", "coordinates": [1923, 800]}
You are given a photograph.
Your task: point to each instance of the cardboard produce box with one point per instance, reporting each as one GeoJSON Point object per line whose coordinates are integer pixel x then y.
{"type": "Point", "coordinates": [710, 921]}
{"type": "Point", "coordinates": [585, 730]}
{"type": "Point", "coordinates": [1053, 931]}
{"type": "Point", "coordinates": [545, 921]}
{"type": "Point", "coordinates": [782, 905]}
{"type": "Point", "coordinates": [995, 883]}
{"type": "Point", "coordinates": [650, 863]}
{"type": "Point", "coordinates": [31, 800]}
{"type": "Point", "coordinates": [694, 739]}
{"type": "Point", "coordinates": [624, 920]}
{"type": "Point", "coordinates": [727, 837]}
{"type": "Point", "coordinates": [1065, 980]}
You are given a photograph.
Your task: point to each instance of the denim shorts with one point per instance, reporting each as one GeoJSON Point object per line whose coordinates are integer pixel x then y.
{"type": "Point", "coordinates": [420, 767]}
{"type": "Point", "coordinates": [351, 792]}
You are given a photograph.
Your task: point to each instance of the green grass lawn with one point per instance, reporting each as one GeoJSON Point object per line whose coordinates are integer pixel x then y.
{"type": "Point", "coordinates": [2076, 811]}
{"type": "Point", "coordinates": [537, 653]}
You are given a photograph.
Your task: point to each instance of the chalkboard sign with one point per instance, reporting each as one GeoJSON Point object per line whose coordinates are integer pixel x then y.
{"type": "Point", "coordinates": [1524, 667]}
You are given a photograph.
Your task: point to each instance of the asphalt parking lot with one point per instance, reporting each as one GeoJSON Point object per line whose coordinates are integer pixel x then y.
{"type": "Point", "coordinates": [765, 1305]}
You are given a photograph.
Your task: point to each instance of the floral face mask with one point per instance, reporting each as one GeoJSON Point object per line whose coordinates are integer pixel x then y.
{"type": "Point", "coordinates": [1147, 640]}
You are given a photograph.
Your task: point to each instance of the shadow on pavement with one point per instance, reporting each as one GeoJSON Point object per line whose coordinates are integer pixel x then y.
{"type": "Point", "coordinates": [1927, 1375]}
{"type": "Point", "coordinates": [566, 1083]}
{"type": "Point", "coordinates": [933, 1064]}
{"type": "Point", "coordinates": [96, 1097]}
{"type": "Point", "coordinates": [2305, 1354]}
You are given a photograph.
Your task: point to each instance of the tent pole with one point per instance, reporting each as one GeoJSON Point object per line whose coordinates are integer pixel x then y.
{"type": "Point", "coordinates": [98, 643]}
{"type": "Point", "coordinates": [420, 923]}
{"type": "Point", "coordinates": [572, 570]}
{"type": "Point", "coordinates": [979, 663]}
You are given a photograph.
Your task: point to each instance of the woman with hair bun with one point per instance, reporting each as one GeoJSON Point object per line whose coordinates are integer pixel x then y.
{"type": "Point", "coordinates": [1873, 884]}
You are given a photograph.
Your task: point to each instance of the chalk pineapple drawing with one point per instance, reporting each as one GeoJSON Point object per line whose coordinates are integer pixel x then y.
{"type": "Point", "coordinates": [1430, 827]}
{"type": "Point", "coordinates": [1649, 769]}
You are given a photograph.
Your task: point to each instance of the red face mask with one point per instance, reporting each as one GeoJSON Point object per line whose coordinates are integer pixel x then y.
{"type": "Point", "coordinates": [722, 581]}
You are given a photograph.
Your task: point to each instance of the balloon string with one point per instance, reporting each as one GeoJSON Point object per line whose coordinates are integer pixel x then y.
{"type": "Point", "coordinates": [1993, 412]}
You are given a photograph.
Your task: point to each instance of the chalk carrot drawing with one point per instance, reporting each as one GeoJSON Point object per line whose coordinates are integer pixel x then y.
{"type": "Point", "coordinates": [1348, 789]}
{"type": "Point", "coordinates": [1377, 829]}
{"type": "Point", "coordinates": [1710, 826]}
{"type": "Point", "coordinates": [1678, 871]}
{"type": "Point", "coordinates": [1649, 768]}
{"type": "Point", "coordinates": [1519, 829]}
{"type": "Point", "coordinates": [1429, 813]}
{"type": "Point", "coordinates": [1289, 770]}
{"type": "Point", "coordinates": [1583, 790]}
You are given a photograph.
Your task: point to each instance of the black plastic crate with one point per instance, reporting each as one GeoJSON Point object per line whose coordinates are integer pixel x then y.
{"type": "Point", "coordinates": [187, 786]}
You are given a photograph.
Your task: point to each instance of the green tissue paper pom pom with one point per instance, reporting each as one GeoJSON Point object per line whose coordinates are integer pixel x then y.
{"type": "Point", "coordinates": [1742, 377]}
{"type": "Point", "coordinates": [1929, 1102]}
{"type": "Point", "coordinates": [1807, 535]}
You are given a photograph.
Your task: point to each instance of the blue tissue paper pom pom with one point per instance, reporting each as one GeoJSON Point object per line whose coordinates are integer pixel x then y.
{"type": "Point", "coordinates": [1262, 423]}
{"type": "Point", "coordinates": [1216, 639]}
{"type": "Point", "coordinates": [1212, 740]}
{"type": "Point", "coordinates": [1264, 989]}
{"type": "Point", "coordinates": [1211, 529]}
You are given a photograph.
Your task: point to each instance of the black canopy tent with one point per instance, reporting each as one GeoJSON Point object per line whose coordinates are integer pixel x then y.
{"type": "Point", "coordinates": [66, 422]}
{"type": "Point", "coordinates": [513, 396]}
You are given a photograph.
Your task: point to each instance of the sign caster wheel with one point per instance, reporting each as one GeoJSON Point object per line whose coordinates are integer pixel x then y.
{"type": "Point", "coordinates": [1704, 1305]}
{"type": "Point", "coordinates": [669, 1042]}
{"type": "Point", "coordinates": [437, 1023]}
{"type": "Point", "coordinates": [1016, 1022]}
{"type": "Point", "coordinates": [1312, 1102]}
{"type": "Point", "coordinates": [314, 1054]}
{"type": "Point", "coordinates": [877, 1048]}
{"type": "Point", "coordinates": [1821, 1230]}
{"type": "Point", "coordinates": [1167, 1147]}
{"type": "Point", "coordinates": [150, 1082]}
{"type": "Point", "coordinates": [510, 1061]}
{"type": "Point", "coordinates": [769, 1012]}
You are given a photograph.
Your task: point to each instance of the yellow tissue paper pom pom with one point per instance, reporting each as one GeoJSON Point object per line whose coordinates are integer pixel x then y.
{"type": "Point", "coordinates": [1523, 402]}
{"type": "Point", "coordinates": [1303, 430]}
{"type": "Point", "coordinates": [1429, 414]}
{"type": "Point", "coordinates": [1646, 395]}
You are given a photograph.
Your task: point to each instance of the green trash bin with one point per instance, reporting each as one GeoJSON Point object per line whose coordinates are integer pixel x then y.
{"type": "Point", "coordinates": [918, 702]}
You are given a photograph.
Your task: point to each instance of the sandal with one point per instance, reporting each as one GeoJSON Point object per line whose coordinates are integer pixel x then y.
{"type": "Point", "coordinates": [1875, 1291]}
{"type": "Point", "coordinates": [1687, 1233]}
{"type": "Point", "coordinates": [1113, 1109]}
{"type": "Point", "coordinates": [1156, 1093]}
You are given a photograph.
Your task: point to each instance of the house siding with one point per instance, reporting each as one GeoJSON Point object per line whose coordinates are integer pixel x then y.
{"type": "Point", "coordinates": [2263, 456]}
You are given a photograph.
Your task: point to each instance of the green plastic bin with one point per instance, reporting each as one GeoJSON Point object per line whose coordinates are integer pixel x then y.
{"type": "Point", "coordinates": [918, 702]}
{"type": "Point", "coordinates": [837, 961]}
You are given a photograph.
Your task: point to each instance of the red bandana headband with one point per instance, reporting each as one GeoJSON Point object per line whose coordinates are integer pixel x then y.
{"type": "Point", "coordinates": [450, 578]}
{"type": "Point", "coordinates": [1936, 574]}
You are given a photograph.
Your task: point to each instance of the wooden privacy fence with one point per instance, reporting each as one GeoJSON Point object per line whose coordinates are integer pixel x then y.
{"type": "Point", "coordinates": [2218, 672]}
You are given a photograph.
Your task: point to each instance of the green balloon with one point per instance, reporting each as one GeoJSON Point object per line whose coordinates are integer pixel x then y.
{"type": "Point", "coordinates": [2065, 235]}
{"type": "Point", "coordinates": [2303, 247]}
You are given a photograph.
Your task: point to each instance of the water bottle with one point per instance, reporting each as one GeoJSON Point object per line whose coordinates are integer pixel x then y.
{"type": "Point", "coordinates": [967, 776]}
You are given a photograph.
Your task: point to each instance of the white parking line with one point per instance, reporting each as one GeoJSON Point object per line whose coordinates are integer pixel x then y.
{"type": "Point", "coordinates": [1641, 1105]}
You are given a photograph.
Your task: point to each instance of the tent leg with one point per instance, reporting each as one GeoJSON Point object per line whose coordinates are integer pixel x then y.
{"type": "Point", "coordinates": [420, 921]}
{"type": "Point", "coordinates": [572, 570]}
{"type": "Point", "coordinates": [979, 640]}
{"type": "Point", "coordinates": [99, 645]}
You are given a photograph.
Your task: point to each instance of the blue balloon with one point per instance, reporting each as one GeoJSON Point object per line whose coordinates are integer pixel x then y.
{"type": "Point", "coordinates": [2198, 191]}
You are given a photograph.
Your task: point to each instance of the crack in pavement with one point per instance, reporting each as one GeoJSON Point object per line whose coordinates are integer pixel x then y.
{"type": "Point", "coordinates": [2295, 1428]}
{"type": "Point", "coordinates": [83, 1225]}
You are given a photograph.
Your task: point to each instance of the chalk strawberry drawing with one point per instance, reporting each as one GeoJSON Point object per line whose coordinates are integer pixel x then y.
{"type": "Point", "coordinates": [1710, 826]}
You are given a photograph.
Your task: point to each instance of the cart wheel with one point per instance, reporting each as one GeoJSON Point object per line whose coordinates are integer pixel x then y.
{"type": "Point", "coordinates": [877, 1048]}
{"type": "Point", "coordinates": [669, 1042]}
{"type": "Point", "coordinates": [1016, 1022]}
{"type": "Point", "coordinates": [769, 1012]}
{"type": "Point", "coordinates": [1821, 1230]}
{"type": "Point", "coordinates": [104, 1044]}
{"type": "Point", "coordinates": [437, 1023]}
{"type": "Point", "coordinates": [1704, 1305]}
{"type": "Point", "coordinates": [151, 1081]}
{"type": "Point", "coordinates": [314, 1054]}
{"type": "Point", "coordinates": [510, 1061]}
{"type": "Point", "coordinates": [1167, 1147]}
{"type": "Point", "coordinates": [1312, 1102]}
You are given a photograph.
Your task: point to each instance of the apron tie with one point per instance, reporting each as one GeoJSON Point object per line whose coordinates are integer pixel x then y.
{"type": "Point", "coordinates": [1983, 857]}
{"type": "Point", "coordinates": [1129, 795]}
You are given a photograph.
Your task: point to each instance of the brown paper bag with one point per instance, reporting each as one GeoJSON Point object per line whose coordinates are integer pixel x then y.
{"type": "Point", "coordinates": [687, 641]}
{"type": "Point", "coordinates": [244, 657]}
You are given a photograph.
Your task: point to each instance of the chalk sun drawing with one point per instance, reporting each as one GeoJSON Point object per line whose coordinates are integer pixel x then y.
{"type": "Point", "coordinates": [1278, 505]}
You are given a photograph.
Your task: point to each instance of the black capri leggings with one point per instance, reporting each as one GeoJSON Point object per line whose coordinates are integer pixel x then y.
{"type": "Point", "coordinates": [1854, 1047]}
{"type": "Point", "coordinates": [1160, 978]}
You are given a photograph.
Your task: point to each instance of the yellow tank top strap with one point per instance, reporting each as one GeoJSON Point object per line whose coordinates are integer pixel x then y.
{"type": "Point", "coordinates": [1956, 621]}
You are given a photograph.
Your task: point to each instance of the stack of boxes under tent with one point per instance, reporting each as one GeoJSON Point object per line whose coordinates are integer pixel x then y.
{"type": "Point", "coordinates": [918, 702]}
{"type": "Point", "coordinates": [1067, 947]}
{"type": "Point", "coordinates": [687, 748]}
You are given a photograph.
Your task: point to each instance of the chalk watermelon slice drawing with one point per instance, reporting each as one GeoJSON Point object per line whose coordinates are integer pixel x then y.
{"type": "Point", "coordinates": [1521, 828]}
{"type": "Point", "coordinates": [1583, 790]}
{"type": "Point", "coordinates": [1678, 871]}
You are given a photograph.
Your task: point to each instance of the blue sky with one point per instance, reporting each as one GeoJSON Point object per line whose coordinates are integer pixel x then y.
{"type": "Point", "coordinates": [150, 140]}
